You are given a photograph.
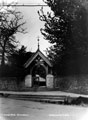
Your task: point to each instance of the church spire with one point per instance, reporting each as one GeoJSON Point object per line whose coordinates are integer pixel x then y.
{"type": "Point", "coordinates": [38, 43]}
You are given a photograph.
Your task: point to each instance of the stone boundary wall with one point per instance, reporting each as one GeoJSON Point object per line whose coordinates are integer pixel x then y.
{"type": "Point", "coordinates": [76, 83]}
{"type": "Point", "coordinates": [9, 83]}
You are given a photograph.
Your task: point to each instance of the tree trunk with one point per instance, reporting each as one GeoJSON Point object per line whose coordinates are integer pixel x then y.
{"type": "Point", "coordinates": [3, 58]}
{"type": "Point", "coordinates": [3, 54]}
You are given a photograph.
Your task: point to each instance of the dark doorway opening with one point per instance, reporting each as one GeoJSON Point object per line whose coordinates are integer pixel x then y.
{"type": "Point", "coordinates": [39, 76]}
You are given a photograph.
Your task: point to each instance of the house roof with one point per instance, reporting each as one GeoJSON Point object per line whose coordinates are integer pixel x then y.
{"type": "Point", "coordinates": [38, 53]}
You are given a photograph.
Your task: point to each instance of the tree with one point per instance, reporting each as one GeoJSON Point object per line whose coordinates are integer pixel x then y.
{"type": "Point", "coordinates": [16, 59]}
{"type": "Point", "coordinates": [15, 68]}
{"type": "Point", "coordinates": [66, 28]}
{"type": "Point", "coordinates": [11, 22]}
{"type": "Point", "coordinates": [19, 57]}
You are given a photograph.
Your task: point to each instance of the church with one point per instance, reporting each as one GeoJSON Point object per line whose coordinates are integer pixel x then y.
{"type": "Point", "coordinates": [39, 70]}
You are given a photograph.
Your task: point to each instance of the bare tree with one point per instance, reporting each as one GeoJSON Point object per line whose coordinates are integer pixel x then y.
{"type": "Point", "coordinates": [11, 22]}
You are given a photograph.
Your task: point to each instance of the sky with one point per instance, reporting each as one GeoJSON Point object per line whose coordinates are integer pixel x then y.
{"type": "Point", "coordinates": [33, 25]}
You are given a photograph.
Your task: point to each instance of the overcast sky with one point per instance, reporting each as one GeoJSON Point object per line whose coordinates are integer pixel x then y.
{"type": "Point", "coordinates": [33, 25]}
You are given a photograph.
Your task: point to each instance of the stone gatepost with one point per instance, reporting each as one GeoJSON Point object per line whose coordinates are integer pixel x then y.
{"type": "Point", "coordinates": [50, 81]}
{"type": "Point", "coordinates": [28, 81]}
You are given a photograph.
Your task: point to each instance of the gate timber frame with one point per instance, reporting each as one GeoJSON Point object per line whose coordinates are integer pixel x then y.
{"type": "Point", "coordinates": [38, 59]}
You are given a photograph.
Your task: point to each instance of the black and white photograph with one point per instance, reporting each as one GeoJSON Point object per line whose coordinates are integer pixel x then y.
{"type": "Point", "coordinates": [43, 59]}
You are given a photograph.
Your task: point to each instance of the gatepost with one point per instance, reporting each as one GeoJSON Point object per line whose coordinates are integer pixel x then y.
{"type": "Point", "coordinates": [28, 81]}
{"type": "Point", "coordinates": [50, 81]}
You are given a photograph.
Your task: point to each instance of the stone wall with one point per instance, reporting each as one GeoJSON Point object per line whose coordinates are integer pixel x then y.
{"type": "Point", "coordinates": [78, 83]}
{"type": "Point", "coordinates": [9, 83]}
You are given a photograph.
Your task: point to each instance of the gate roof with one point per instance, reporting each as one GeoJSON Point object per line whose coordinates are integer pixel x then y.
{"type": "Point", "coordinates": [38, 53]}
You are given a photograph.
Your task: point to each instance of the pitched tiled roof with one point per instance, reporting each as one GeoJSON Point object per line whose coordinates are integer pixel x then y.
{"type": "Point", "coordinates": [38, 53]}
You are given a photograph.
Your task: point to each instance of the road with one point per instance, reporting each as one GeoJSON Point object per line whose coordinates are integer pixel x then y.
{"type": "Point", "coordinates": [11, 109]}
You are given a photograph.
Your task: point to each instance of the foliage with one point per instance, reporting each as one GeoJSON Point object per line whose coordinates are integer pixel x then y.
{"type": "Point", "coordinates": [15, 68]}
{"type": "Point", "coordinates": [66, 29]}
{"type": "Point", "coordinates": [11, 71]}
{"type": "Point", "coordinates": [19, 57]}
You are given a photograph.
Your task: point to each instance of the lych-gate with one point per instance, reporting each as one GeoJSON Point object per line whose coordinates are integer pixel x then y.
{"type": "Point", "coordinates": [38, 66]}
{"type": "Point", "coordinates": [39, 70]}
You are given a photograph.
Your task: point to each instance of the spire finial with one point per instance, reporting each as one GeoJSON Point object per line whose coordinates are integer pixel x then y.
{"type": "Point", "coordinates": [38, 43]}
